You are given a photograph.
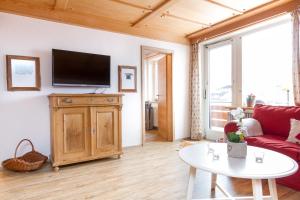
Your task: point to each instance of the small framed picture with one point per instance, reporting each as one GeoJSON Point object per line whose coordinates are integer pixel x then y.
{"type": "Point", "coordinates": [127, 79]}
{"type": "Point", "coordinates": [23, 73]}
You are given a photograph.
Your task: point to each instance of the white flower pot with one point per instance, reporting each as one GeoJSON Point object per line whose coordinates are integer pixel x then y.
{"type": "Point", "coordinates": [237, 150]}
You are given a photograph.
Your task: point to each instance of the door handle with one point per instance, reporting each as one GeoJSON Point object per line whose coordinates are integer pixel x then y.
{"type": "Point", "coordinates": [157, 96]}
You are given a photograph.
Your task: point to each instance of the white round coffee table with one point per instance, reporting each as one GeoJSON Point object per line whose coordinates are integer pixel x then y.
{"type": "Point", "coordinates": [274, 165]}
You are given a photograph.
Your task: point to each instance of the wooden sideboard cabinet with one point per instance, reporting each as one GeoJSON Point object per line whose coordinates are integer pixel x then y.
{"type": "Point", "coordinates": [84, 127]}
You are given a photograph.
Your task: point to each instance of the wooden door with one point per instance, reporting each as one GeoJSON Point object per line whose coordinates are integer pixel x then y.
{"type": "Point", "coordinates": [104, 130]}
{"type": "Point", "coordinates": [169, 93]}
{"type": "Point", "coordinates": [72, 134]}
{"type": "Point", "coordinates": [162, 98]}
{"type": "Point", "coordinates": [165, 113]}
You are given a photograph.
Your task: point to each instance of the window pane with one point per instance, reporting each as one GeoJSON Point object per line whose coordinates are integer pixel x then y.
{"type": "Point", "coordinates": [220, 95]}
{"type": "Point", "coordinates": [220, 74]}
{"type": "Point", "coordinates": [156, 81]}
{"type": "Point", "coordinates": [150, 81]}
{"type": "Point", "coordinates": [267, 65]}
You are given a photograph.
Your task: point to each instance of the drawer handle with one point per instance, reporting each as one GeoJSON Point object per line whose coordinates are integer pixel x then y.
{"type": "Point", "coordinates": [110, 99]}
{"type": "Point", "coordinates": [67, 100]}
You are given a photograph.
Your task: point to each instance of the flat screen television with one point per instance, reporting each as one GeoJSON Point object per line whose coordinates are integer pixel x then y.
{"type": "Point", "coordinates": [71, 68]}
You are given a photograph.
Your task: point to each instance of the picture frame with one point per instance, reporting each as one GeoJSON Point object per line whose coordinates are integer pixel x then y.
{"type": "Point", "coordinates": [127, 78]}
{"type": "Point", "coordinates": [23, 73]}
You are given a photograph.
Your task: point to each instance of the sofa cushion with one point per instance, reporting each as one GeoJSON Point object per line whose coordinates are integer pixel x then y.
{"type": "Point", "coordinates": [276, 143]}
{"type": "Point", "coordinates": [253, 127]}
{"type": "Point", "coordinates": [294, 132]}
{"type": "Point", "coordinates": [275, 120]}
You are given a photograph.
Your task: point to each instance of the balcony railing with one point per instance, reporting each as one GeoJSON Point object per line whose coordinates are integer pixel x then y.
{"type": "Point", "coordinates": [220, 114]}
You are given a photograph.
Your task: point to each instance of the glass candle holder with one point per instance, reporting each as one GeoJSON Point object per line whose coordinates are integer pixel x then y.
{"type": "Point", "coordinates": [209, 149]}
{"type": "Point", "coordinates": [259, 156]}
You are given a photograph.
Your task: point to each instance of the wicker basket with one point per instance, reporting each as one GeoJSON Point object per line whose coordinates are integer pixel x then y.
{"type": "Point", "coordinates": [28, 162]}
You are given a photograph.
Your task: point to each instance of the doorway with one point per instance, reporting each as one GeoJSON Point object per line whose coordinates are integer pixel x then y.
{"type": "Point", "coordinates": [157, 97]}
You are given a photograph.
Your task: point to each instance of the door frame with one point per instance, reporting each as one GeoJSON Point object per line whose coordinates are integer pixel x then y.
{"type": "Point", "coordinates": [169, 80]}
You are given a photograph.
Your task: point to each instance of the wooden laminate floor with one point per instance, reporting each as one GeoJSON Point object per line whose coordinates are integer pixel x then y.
{"type": "Point", "coordinates": [153, 136]}
{"type": "Point", "coordinates": [153, 172]}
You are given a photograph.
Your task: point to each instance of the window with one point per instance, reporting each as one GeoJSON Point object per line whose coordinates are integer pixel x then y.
{"type": "Point", "coordinates": [267, 65]}
{"type": "Point", "coordinates": [258, 62]}
{"type": "Point", "coordinates": [151, 80]}
{"type": "Point", "coordinates": [220, 83]}
{"type": "Point", "coordinates": [220, 72]}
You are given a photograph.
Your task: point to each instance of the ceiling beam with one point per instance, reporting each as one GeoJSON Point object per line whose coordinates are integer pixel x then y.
{"type": "Point", "coordinates": [132, 5]}
{"type": "Point", "coordinates": [155, 12]}
{"type": "Point", "coordinates": [167, 14]}
{"type": "Point", "coordinates": [224, 6]}
{"type": "Point", "coordinates": [30, 9]}
{"type": "Point", "coordinates": [250, 17]}
{"type": "Point", "coordinates": [61, 4]}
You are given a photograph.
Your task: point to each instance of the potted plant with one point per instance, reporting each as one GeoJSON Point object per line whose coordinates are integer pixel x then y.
{"type": "Point", "coordinates": [250, 100]}
{"type": "Point", "coordinates": [236, 144]}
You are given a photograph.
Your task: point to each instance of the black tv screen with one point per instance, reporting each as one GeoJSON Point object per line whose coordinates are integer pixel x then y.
{"type": "Point", "coordinates": [71, 68]}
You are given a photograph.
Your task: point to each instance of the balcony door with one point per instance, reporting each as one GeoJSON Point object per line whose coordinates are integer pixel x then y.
{"type": "Point", "coordinates": [220, 86]}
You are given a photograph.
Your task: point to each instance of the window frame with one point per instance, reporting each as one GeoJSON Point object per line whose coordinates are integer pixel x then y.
{"type": "Point", "coordinates": [214, 134]}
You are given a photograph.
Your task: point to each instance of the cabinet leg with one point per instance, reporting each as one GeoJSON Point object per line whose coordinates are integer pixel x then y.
{"type": "Point", "coordinates": [56, 169]}
{"type": "Point", "coordinates": [119, 156]}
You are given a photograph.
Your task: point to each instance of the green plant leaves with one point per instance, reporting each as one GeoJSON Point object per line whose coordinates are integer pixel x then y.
{"type": "Point", "coordinates": [233, 137]}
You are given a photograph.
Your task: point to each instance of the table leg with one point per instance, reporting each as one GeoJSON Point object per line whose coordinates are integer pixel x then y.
{"type": "Point", "coordinates": [257, 189]}
{"type": "Point", "coordinates": [273, 189]}
{"type": "Point", "coordinates": [192, 177]}
{"type": "Point", "coordinates": [213, 181]}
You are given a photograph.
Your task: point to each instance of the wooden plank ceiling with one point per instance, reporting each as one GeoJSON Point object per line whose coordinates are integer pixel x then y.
{"type": "Point", "coordinates": [169, 20]}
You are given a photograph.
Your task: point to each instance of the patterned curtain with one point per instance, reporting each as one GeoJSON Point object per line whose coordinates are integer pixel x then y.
{"type": "Point", "coordinates": [196, 131]}
{"type": "Point", "coordinates": [296, 57]}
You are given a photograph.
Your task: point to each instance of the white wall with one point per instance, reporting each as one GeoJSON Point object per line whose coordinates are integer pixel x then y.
{"type": "Point", "coordinates": [26, 114]}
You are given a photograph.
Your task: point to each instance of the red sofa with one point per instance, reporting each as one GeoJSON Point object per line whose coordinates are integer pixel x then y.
{"type": "Point", "coordinates": [275, 123]}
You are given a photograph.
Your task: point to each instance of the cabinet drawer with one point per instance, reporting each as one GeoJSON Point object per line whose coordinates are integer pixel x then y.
{"type": "Point", "coordinates": [67, 101]}
{"type": "Point", "coordinates": [105, 100]}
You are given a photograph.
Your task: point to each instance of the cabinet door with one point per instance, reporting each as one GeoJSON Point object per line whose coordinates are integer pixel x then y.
{"type": "Point", "coordinates": [105, 130]}
{"type": "Point", "coordinates": [72, 135]}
